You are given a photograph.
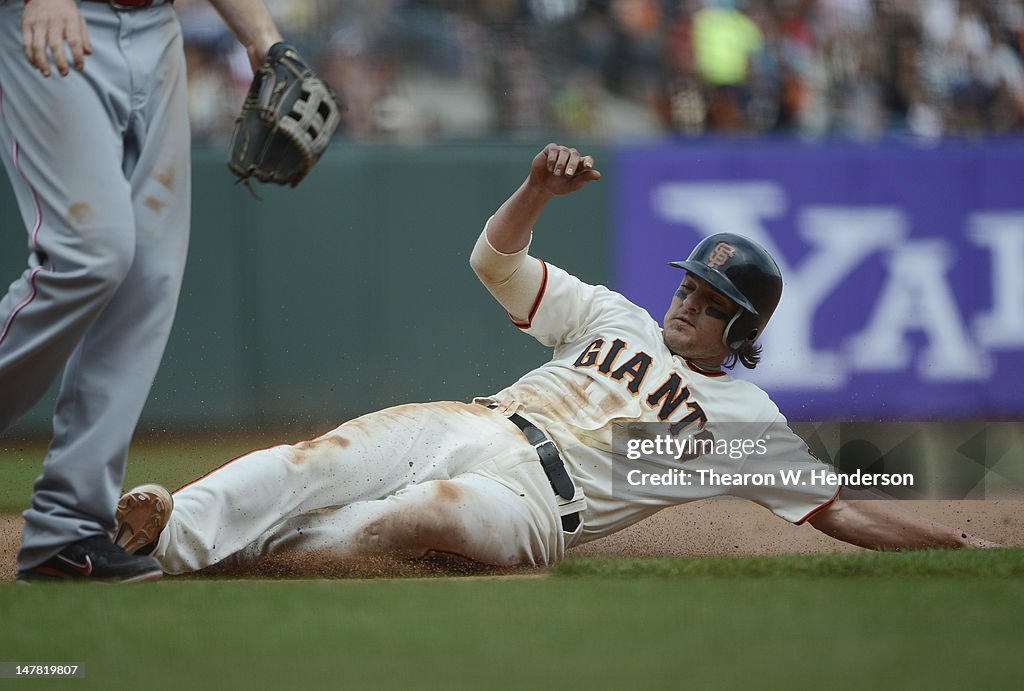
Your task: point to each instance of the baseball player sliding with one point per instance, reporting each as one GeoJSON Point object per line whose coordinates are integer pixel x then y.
{"type": "Point", "coordinates": [518, 477]}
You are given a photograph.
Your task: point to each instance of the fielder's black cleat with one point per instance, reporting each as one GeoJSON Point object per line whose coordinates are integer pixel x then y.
{"type": "Point", "coordinates": [94, 558]}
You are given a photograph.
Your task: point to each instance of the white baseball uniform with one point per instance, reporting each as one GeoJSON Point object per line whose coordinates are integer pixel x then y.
{"type": "Point", "coordinates": [461, 478]}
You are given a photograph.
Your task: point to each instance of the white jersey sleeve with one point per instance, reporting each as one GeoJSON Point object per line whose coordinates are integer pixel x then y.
{"type": "Point", "coordinates": [545, 301]}
{"type": "Point", "coordinates": [786, 478]}
{"type": "Point", "coordinates": [565, 308]}
{"type": "Point", "coordinates": [513, 279]}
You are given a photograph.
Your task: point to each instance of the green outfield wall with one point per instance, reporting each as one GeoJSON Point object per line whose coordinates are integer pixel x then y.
{"type": "Point", "coordinates": [349, 293]}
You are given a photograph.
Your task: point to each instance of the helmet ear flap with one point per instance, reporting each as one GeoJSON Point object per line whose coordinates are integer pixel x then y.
{"type": "Point", "coordinates": [741, 328]}
{"type": "Point", "coordinates": [729, 333]}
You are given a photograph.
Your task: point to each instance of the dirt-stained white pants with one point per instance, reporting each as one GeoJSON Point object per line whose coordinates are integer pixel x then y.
{"type": "Point", "coordinates": [446, 477]}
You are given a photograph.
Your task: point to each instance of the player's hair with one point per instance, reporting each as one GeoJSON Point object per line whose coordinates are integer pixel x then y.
{"type": "Point", "coordinates": [748, 354]}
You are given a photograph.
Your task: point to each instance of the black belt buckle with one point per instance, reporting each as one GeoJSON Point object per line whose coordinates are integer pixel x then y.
{"type": "Point", "coordinates": [570, 522]}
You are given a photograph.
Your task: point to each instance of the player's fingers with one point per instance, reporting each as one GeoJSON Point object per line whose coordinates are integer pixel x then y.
{"type": "Point", "coordinates": [83, 29]}
{"type": "Point", "coordinates": [77, 46]}
{"type": "Point", "coordinates": [552, 156]}
{"type": "Point", "coordinates": [559, 165]}
{"type": "Point", "coordinates": [39, 59]}
{"type": "Point", "coordinates": [86, 41]}
{"type": "Point", "coordinates": [26, 42]}
{"type": "Point", "coordinates": [573, 164]}
{"type": "Point", "coordinates": [562, 161]}
{"type": "Point", "coordinates": [587, 170]}
{"type": "Point", "coordinates": [55, 41]}
{"type": "Point", "coordinates": [582, 178]}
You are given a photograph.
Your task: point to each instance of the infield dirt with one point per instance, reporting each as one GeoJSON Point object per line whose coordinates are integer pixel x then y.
{"type": "Point", "coordinates": [719, 527]}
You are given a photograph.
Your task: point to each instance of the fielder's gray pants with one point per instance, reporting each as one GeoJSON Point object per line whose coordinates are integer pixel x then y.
{"type": "Point", "coordinates": [99, 162]}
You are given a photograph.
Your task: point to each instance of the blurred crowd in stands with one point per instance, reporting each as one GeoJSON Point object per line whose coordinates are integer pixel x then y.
{"type": "Point", "coordinates": [450, 70]}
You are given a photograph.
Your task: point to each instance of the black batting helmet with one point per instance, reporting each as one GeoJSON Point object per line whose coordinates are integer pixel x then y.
{"type": "Point", "coordinates": [744, 272]}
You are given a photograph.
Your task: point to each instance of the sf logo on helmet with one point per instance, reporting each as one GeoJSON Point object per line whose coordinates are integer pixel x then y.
{"type": "Point", "coordinates": [721, 254]}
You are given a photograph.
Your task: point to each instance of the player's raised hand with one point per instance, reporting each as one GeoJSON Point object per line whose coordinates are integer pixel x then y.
{"type": "Point", "coordinates": [561, 169]}
{"type": "Point", "coordinates": [47, 25]}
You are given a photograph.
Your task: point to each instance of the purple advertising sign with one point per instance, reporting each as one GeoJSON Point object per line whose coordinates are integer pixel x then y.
{"type": "Point", "coordinates": [903, 267]}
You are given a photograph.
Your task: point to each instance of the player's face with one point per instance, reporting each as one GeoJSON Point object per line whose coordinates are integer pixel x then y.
{"type": "Point", "coordinates": [695, 322]}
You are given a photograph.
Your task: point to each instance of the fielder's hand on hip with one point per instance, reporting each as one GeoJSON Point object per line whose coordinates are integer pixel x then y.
{"type": "Point", "coordinates": [50, 25]}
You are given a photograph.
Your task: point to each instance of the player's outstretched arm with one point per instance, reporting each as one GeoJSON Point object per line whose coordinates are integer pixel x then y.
{"type": "Point", "coordinates": [882, 524]}
{"type": "Point", "coordinates": [557, 170]}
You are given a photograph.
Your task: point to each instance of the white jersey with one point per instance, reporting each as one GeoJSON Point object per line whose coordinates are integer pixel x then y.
{"type": "Point", "coordinates": [611, 366]}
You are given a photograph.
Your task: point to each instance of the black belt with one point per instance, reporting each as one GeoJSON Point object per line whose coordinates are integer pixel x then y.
{"type": "Point", "coordinates": [553, 467]}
